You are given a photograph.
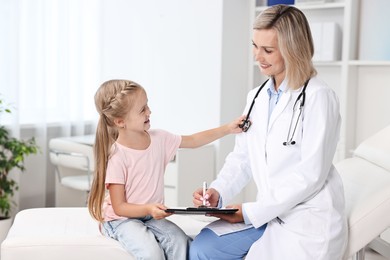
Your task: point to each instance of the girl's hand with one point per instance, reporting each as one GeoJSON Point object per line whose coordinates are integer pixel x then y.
{"type": "Point", "coordinates": [211, 197]}
{"type": "Point", "coordinates": [157, 211]}
{"type": "Point", "coordinates": [234, 126]}
{"type": "Point", "coordinates": [232, 218]}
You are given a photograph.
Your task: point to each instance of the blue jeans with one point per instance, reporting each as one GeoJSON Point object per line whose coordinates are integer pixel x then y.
{"type": "Point", "coordinates": [147, 238]}
{"type": "Point", "coordinates": [210, 246]}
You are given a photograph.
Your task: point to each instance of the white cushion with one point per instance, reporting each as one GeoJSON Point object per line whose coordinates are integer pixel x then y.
{"type": "Point", "coordinates": [58, 233]}
{"type": "Point", "coordinates": [367, 194]}
{"type": "Point", "coordinates": [376, 149]}
{"type": "Point", "coordinates": [70, 233]}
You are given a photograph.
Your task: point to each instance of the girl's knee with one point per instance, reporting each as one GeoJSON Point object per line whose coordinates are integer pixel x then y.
{"type": "Point", "coordinates": [150, 251]}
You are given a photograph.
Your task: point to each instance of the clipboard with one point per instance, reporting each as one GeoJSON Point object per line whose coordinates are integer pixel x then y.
{"type": "Point", "coordinates": [200, 210]}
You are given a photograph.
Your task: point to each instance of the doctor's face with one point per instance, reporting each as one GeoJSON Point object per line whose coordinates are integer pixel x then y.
{"type": "Point", "coordinates": [267, 54]}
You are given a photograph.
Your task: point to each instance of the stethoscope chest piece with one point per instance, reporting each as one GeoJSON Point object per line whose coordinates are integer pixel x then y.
{"type": "Point", "coordinates": [288, 143]}
{"type": "Point", "coordinates": [245, 125]}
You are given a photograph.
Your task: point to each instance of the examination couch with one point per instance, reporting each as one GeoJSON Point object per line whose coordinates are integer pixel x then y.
{"type": "Point", "coordinates": [71, 233]}
{"type": "Point", "coordinates": [366, 179]}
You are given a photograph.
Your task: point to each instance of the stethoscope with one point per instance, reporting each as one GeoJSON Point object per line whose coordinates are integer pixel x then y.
{"type": "Point", "coordinates": [246, 124]}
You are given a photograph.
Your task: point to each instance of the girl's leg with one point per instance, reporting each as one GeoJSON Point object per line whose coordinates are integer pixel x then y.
{"type": "Point", "coordinates": [134, 237]}
{"type": "Point", "coordinates": [172, 239]}
{"type": "Point", "coordinates": [208, 245]}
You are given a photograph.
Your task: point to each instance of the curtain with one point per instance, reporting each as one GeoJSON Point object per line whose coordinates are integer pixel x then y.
{"type": "Point", "coordinates": [50, 65]}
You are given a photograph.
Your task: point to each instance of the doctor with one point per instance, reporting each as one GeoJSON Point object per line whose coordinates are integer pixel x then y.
{"type": "Point", "coordinates": [292, 130]}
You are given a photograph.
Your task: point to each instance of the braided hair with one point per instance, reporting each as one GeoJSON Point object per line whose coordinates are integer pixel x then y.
{"type": "Point", "coordinates": [113, 100]}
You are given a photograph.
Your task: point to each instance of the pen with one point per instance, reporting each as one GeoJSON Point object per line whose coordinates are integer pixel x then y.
{"type": "Point", "coordinates": [204, 192]}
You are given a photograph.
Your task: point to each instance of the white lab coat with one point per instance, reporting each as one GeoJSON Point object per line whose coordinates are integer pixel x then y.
{"type": "Point", "coordinates": [296, 183]}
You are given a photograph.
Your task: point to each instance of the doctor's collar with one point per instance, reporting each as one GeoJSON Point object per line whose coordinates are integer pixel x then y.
{"type": "Point", "coordinates": [271, 86]}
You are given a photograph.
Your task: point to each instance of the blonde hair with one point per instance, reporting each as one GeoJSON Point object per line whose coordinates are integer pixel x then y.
{"type": "Point", "coordinates": [294, 39]}
{"type": "Point", "coordinates": [113, 100]}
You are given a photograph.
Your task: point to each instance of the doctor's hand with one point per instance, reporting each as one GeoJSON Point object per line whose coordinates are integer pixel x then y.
{"type": "Point", "coordinates": [232, 218]}
{"type": "Point", "coordinates": [211, 197]}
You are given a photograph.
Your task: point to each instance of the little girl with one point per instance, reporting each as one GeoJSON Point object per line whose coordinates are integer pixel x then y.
{"type": "Point", "coordinates": [130, 163]}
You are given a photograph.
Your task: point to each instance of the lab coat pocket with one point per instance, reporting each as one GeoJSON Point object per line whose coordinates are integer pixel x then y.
{"type": "Point", "coordinates": [308, 222]}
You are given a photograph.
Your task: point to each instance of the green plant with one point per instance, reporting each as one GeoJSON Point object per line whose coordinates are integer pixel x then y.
{"type": "Point", "coordinates": [12, 154]}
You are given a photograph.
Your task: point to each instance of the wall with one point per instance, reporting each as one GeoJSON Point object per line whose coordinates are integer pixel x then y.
{"type": "Point", "coordinates": [173, 49]}
{"type": "Point", "coordinates": [374, 24]}
{"type": "Point", "coordinates": [236, 43]}
{"type": "Point", "coordinates": [372, 102]}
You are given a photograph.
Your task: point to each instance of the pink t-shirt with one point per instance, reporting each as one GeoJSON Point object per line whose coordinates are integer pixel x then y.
{"type": "Point", "coordinates": [141, 171]}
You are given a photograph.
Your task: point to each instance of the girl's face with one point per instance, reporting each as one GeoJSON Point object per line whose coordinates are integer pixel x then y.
{"type": "Point", "coordinates": [138, 117]}
{"type": "Point", "coordinates": [267, 54]}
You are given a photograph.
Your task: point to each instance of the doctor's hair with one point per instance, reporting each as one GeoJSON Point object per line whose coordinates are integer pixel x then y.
{"type": "Point", "coordinates": [294, 39]}
{"type": "Point", "coordinates": [113, 100]}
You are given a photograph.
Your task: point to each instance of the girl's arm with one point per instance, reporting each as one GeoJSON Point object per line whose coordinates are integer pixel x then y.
{"type": "Point", "coordinates": [208, 136]}
{"type": "Point", "coordinates": [125, 209]}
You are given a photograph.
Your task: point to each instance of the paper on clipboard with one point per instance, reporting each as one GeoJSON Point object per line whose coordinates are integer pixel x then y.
{"type": "Point", "coordinates": [222, 227]}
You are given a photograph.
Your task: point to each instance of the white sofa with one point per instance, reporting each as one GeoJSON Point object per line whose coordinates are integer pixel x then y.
{"type": "Point", "coordinates": [71, 233]}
